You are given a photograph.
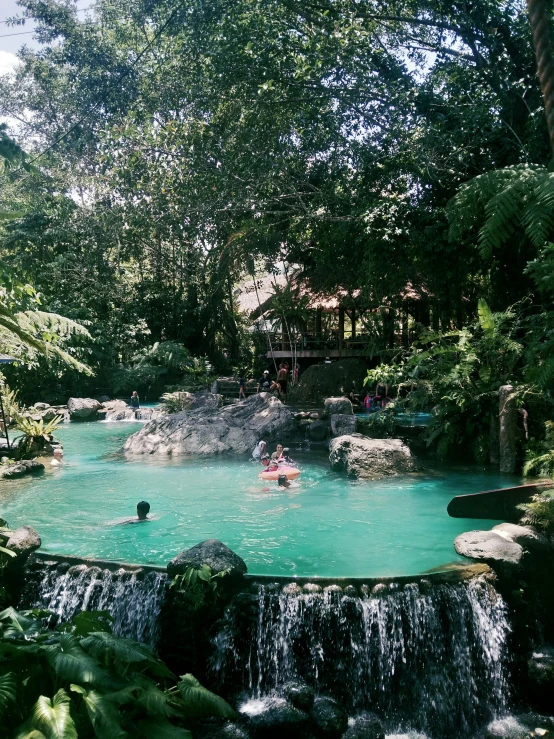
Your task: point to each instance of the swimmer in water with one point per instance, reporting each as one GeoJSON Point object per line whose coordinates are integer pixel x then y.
{"type": "Point", "coordinates": [143, 509]}
{"type": "Point", "coordinates": [58, 457]}
{"type": "Point", "coordinates": [282, 482]}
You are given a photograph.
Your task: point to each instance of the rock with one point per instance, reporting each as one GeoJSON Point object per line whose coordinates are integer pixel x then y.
{"type": "Point", "coordinates": [528, 537]}
{"type": "Point", "coordinates": [292, 589]}
{"type": "Point", "coordinates": [149, 414]}
{"type": "Point", "coordinates": [371, 459]}
{"type": "Point", "coordinates": [214, 729]}
{"type": "Point", "coordinates": [342, 425]}
{"type": "Point", "coordinates": [329, 718]}
{"type": "Point", "coordinates": [318, 431]}
{"type": "Point", "coordinates": [506, 728]}
{"type": "Point", "coordinates": [322, 381]}
{"type": "Point", "coordinates": [300, 694]}
{"type": "Point", "coordinates": [41, 406]}
{"type": "Point", "coordinates": [114, 405]}
{"type": "Point", "coordinates": [379, 589]}
{"type": "Point", "coordinates": [83, 409]}
{"type": "Point", "coordinates": [310, 588]}
{"type": "Point", "coordinates": [365, 726]}
{"type": "Point", "coordinates": [104, 399]}
{"type": "Point", "coordinates": [274, 717]}
{"type": "Point", "coordinates": [540, 676]}
{"type": "Point", "coordinates": [210, 552]}
{"type": "Point", "coordinates": [351, 591]}
{"type": "Point", "coordinates": [489, 547]}
{"type": "Point", "coordinates": [23, 541]}
{"type": "Point", "coordinates": [204, 399]}
{"type": "Point", "coordinates": [314, 415]}
{"type": "Point", "coordinates": [337, 406]}
{"type": "Point", "coordinates": [20, 469]}
{"type": "Point", "coordinates": [119, 414]}
{"type": "Point", "coordinates": [236, 428]}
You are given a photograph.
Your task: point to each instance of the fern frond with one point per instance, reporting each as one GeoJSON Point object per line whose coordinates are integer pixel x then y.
{"type": "Point", "coordinates": [538, 215]}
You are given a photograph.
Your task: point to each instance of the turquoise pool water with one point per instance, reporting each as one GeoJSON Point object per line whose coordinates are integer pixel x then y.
{"type": "Point", "coordinates": [328, 526]}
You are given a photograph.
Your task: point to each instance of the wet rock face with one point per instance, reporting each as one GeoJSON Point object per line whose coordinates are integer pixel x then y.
{"type": "Point", "coordinates": [540, 676]}
{"type": "Point", "coordinates": [208, 430]}
{"type": "Point", "coordinates": [371, 459]}
{"type": "Point", "coordinates": [211, 552]}
{"type": "Point", "coordinates": [329, 719]}
{"type": "Point", "coordinates": [275, 717]}
{"type": "Point", "coordinates": [366, 726]}
{"type": "Point", "coordinates": [83, 409]}
{"type": "Point", "coordinates": [342, 424]}
{"type": "Point", "coordinates": [299, 694]}
{"type": "Point", "coordinates": [341, 406]}
{"type": "Point", "coordinates": [215, 729]}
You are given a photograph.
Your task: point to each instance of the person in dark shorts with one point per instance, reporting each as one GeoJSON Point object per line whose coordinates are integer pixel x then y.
{"type": "Point", "coordinates": [135, 400]}
{"type": "Point", "coordinates": [264, 383]}
{"type": "Point", "coordinates": [282, 380]}
{"type": "Point", "coordinates": [242, 388]}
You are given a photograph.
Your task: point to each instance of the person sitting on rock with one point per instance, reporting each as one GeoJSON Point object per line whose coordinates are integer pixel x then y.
{"type": "Point", "coordinates": [260, 450]}
{"type": "Point", "coordinates": [264, 383]}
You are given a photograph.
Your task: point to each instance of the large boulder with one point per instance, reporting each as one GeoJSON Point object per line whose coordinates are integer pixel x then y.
{"type": "Point", "coordinates": [236, 428]}
{"type": "Point", "coordinates": [114, 405]}
{"type": "Point", "coordinates": [83, 409]}
{"type": "Point", "coordinates": [300, 694]}
{"type": "Point", "coordinates": [330, 720]}
{"type": "Point", "coordinates": [343, 425]}
{"type": "Point", "coordinates": [274, 717]}
{"type": "Point", "coordinates": [333, 406]}
{"type": "Point", "coordinates": [322, 381]}
{"type": "Point", "coordinates": [318, 431]}
{"type": "Point", "coordinates": [371, 459]}
{"type": "Point", "coordinates": [23, 541]}
{"type": "Point", "coordinates": [503, 555]}
{"type": "Point", "coordinates": [211, 552]}
{"type": "Point", "coordinates": [528, 537]}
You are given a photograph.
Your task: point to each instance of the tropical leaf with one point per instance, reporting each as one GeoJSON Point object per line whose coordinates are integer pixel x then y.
{"type": "Point", "coordinates": [8, 692]}
{"type": "Point", "coordinates": [200, 701]}
{"type": "Point", "coordinates": [154, 701]}
{"type": "Point", "coordinates": [108, 647]}
{"type": "Point", "coordinates": [103, 715]}
{"type": "Point", "coordinates": [88, 622]}
{"type": "Point", "coordinates": [53, 717]}
{"type": "Point", "coordinates": [160, 729]}
{"type": "Point", "coordinates": [71, 662]}
{"type": "Point", "coordinates": [9, 552]}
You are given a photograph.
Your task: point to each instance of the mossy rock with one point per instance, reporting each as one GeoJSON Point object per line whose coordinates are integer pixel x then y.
{"type": "Point", "coordinates": [322, 381]}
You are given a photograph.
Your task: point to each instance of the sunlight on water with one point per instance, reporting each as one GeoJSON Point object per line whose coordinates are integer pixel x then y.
{"type": "Point", "coordinates": [328, 526]}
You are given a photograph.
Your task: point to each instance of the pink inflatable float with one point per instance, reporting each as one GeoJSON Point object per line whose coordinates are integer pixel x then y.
{"type": "Point", "coordinates": [291, 473]}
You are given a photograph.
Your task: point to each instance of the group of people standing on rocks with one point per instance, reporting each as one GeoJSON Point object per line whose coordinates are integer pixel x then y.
{"type": "Point", "coordinates": [267, 385]}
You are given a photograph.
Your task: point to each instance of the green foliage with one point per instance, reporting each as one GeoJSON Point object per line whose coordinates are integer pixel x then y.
{"type": "Point", "coordinates": [176, 401]}
{"type": "Point", "coordinates": [540, 512]}
{"type": "Point", "coordinates": [35, 434]}
{"type": "Point", "coordinates": [164, 362]}
{"type": "Point", "coordinates": [100, 684]}
{"type": "Point", "coordinates": [197, 586]}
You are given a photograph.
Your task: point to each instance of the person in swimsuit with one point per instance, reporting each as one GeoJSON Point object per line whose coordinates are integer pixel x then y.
{"type": "Point", "coordinates": [135, 401]}
{"type": "Point", "coordinates": [242, 388]}
{"type": "Point", "coordinates": [282, 380]}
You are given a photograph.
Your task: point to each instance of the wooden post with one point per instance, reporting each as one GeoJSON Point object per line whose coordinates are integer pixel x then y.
{"type": "Point", "coordinates": [341, 329]}
{"type": "Point", "coordinates": [318, 323]}
{"type": "Point", "coordinates": [508, 428]}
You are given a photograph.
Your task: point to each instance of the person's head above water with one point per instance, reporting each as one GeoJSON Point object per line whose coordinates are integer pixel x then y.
{"type": "Point", "coordinates": [279, 449]}
{"type": "Point", "coordinates": [282, 481]}
{"type": "Point", "coordinates": [265, 459]}
{"type": "Point", "coordinates": [143, 509]}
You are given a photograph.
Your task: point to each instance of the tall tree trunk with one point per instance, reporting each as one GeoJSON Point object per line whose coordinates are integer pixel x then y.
{"type": "Point", "coordinates": [539, 18]}
{"type": "Point", "coordinates": [508, 429]}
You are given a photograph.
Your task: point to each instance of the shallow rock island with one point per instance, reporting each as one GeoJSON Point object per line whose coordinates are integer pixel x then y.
{"type": "Point", "coordinates": [236, 428]}
{"type": "Point", "coordinates": [371, 459]}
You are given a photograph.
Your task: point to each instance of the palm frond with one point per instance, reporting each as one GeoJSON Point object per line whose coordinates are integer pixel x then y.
{"type": "Point", "coordinates": [486, 319]}
{"type": "Point", "coordinates": [538, 215]}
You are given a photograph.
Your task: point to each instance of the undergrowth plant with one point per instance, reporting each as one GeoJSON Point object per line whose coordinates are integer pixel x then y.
{"type": "Point", "coordinates": [198, 586]}
{"type": "Point", "coordinates": [35, 435]}
{"type": "Point", "coordinates": [540, 511]}
{"type": "Point", "coordinates": [80, 680]}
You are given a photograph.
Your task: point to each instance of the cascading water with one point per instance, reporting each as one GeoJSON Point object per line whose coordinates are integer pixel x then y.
{"type": "Point", "coordinates": [431, 658]}
{"type": "Point", "coordinates": [133, 598]}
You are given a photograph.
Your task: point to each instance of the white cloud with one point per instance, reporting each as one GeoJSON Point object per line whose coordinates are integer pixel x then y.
{"type": "Point", "coordinates": [8, 62]}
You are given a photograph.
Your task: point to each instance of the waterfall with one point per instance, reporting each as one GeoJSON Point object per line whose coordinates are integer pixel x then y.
{"type": "Point", "coordinates": [430, 658]}
{"type": "Point", "coordinates": [133, 598]}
